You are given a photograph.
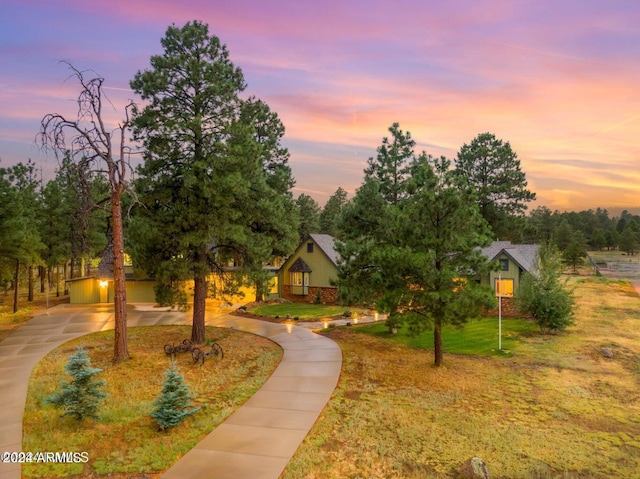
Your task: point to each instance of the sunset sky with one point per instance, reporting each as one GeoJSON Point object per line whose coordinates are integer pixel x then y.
{"type": "Point", "coordinates": [559, 80]}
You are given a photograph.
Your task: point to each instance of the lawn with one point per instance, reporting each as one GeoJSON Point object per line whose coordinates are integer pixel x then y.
{"type": "Point", "coordinates": [126, 439]}
{"type": "Point", "coordinates": [555, 409]}
{"type": "Point", "coordinates": [477, 337]}
{"type": "Point", "coordinates": [302, 311]}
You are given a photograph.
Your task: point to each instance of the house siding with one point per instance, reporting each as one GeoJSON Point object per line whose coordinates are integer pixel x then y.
{"type": "Point", "coordinates": [513, 273]}
{"type": "Point", "coordinates": [323, 274]}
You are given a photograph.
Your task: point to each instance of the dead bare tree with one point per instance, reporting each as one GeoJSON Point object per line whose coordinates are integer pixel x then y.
{"type": "Point", "coordinates": [89, 141]}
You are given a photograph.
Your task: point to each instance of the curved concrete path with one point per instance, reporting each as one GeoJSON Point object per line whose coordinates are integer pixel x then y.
{"type": "Point", "coordinates": [257, 441]}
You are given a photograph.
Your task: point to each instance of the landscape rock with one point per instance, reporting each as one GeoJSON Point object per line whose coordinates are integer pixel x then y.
{"type": "Point", "coordinates": [606, 353]}
{"type": "Point", "coordinates": [474, 468]}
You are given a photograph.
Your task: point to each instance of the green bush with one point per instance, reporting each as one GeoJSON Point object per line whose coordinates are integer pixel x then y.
{"type": "Point", "coordinates": [81, 397]}
{"type": "Point", "coordinates": [545, 296]}
{"type": "Point", "coordinates": [171, 295]}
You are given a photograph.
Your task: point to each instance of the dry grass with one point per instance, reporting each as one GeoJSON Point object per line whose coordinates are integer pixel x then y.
{"type": "Point", "coordinates": [126, 439]}
{"type": "Point", "coordinates": [10, 321]}
{"type": "Point", "coordinates": [557, 409]}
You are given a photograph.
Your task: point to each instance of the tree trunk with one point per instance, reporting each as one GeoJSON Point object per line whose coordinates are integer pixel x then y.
{"type": "Point", "coordinates": [30, 288]}
{"type": "Point", "coordinates": [16, 287]}
{"type": "Point", "coordinates": [120, 349]}
{"type": "Point", "coordinates": [64, 279]}
{"type": "Point", "coordinates": [57, 281]}
{"type": "Point", "coordinates": [41, 272]}
{"type": "Point", "coordinates": [437, 342]}
{"type": "Point", "coordinates": [199, 306]}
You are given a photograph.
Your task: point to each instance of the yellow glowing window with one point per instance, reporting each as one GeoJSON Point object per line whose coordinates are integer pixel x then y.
{"type": "Point", "coordinates": [300, 279]}
{"type": "Point", "coordinates": [504, 287]}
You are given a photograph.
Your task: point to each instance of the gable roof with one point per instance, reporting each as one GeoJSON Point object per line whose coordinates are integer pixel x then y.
{"type": "Point", "coordinates": [524, 255]}
{"type": "Point", "coordinates": [327, 244]}
{"type": "Point", "coordinates": [299, 266]}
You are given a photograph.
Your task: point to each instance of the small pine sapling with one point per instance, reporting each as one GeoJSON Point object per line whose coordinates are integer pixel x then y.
{"type": "Point", "coordinates": [173, 405]}
{"type": "Point", "coordinates": [81, 397]}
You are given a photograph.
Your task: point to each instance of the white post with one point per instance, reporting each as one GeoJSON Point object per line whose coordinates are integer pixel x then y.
{"type": "Point", "coordinates": [499, 311]}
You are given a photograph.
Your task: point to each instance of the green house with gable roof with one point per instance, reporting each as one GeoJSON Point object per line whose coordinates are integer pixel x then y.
{"type": "Point", "coordinates": [310, 271]}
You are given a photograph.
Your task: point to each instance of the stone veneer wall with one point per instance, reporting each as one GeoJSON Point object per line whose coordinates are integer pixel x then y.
{"type": "Point", "coordinates": [327, 295]}
{"type": "Point", "coordinates": [509, 309]}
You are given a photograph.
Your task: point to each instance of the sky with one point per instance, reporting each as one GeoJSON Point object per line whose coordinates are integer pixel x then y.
{"type": "Point", "coordinates": [558, 80]}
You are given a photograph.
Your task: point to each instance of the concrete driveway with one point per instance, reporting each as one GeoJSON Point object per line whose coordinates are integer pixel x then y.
{"type": "Point", "coordinates": [257, 441]}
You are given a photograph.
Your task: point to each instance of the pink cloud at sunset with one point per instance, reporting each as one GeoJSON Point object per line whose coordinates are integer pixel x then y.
{"type": "Point", "coordinates": [556, 80]}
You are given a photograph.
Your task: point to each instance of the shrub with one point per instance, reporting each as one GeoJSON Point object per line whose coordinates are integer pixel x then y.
{"type": "Point", "coordinates": [171, 295]}
{"type": "Point", "coordinates": [172, 407]}
{"type": "Point", "coordinates": [545, 296]}
{"type": "Point", "coordinates": [81, 397]}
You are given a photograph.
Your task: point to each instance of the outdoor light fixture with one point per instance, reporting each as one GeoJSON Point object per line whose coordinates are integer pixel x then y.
{"type": "Point", "coordinates": [103, 283]}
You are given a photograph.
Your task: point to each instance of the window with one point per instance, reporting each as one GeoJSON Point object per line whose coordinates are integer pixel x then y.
{"type": "Point", "coordinates": [309, 247]}
{"type": "Point", "coordinates": [297, 279]}
{"type": "Point", "coordinates": [504, 287]}
{"type": "Point", "coordinates": [504, 264]}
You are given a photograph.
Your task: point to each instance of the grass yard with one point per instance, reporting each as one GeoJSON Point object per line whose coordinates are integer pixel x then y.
{"type": "Point", "coordinates": [302, 311]}
{"type": "Point", "coordinates": [555, 409]}
{"type": "Point", "coordinates": [126, 439]}
{"type": "Point", "coordinates": [477, 337]}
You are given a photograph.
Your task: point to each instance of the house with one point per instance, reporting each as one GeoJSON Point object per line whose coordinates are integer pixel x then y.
{"type": "Point", "coordinates": [310, 272]}
{"type": "Point", "coordinates": [515, 260]}
{"type": "Point", "coordinates": [99, 288]}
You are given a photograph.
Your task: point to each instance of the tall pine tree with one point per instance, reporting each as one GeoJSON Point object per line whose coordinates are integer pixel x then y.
{"type": "Point", "coordinates": [491, 167]}
{"type": "Point", "coordinates": [215, 182]}
{"type": "Point", "coordinates": [414, 250]}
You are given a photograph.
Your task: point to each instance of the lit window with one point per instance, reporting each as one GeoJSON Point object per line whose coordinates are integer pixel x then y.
{"type": "Point", "coordinates": [504, 287]}
{"type": "Point", "coordinates": [298, 278]}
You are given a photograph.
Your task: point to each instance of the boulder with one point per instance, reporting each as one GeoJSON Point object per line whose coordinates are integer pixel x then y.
{"type": "Point", "coordinates": [474, 468]}
{"type": "Point", "coordinates": [606, 353]}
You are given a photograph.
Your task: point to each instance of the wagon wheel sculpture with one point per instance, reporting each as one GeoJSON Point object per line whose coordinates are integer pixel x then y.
{"type": "Point", "coordinates": [199, 355]}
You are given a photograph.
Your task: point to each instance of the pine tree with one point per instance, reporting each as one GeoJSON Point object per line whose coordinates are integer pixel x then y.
{"type": "Point", "coordinates": [545, 296]}
{"type": "Point", "coordinates": [214, 183]}
{"type": "Point", "coordinates": [332, 212]}
{"type": "Point", "coordinates": [172, 407]}
{"type": "Point", "coordinates": [492, 168]}
{"type": "Point", "coordinates": [81, 397]}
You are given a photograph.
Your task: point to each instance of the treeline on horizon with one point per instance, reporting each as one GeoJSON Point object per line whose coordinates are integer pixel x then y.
{"type": "Point", "coordinates": [59, 228]}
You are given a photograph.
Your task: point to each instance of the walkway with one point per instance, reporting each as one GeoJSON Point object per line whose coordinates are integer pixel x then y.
{"type": "Point", "coordinates": [257, 441]}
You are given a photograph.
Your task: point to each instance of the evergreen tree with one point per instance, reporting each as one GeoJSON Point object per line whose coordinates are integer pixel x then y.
{"type": "Point", "coordinates": [598, 240]}
{"type": "Point", "coordinates": [493, 169]}
{"type": "Point", "coordinates": [174, 403]}
{"type": "Point", "coordinates": [391, 166]}
{"type": "Point", "coordinates": [20, 240]}
{"type": "Point", "coordinates": [629, 240]}
{"type": "Point", "coordinates": [81, 397]}
{"type": "Point", "coordinates": [332, 212]}
{"type": "Point", "coordinates": [414, 250]}
{"type": "Point", "coordinates": [215, 182]}
{"type": "Point", "coordinates": [563, 235]}
{"type": "Point", "coordinates": [308, 212]}
{"type": "Point", "coordinates": [575, 252]}
{"type": "Point", "coordinates": [545, 296]}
